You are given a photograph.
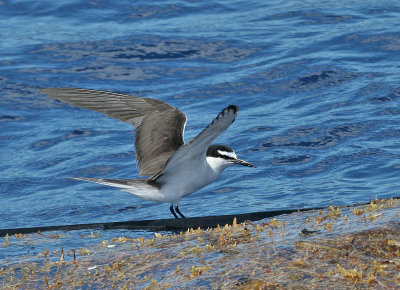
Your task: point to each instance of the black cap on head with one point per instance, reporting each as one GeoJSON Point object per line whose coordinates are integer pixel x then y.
{"type": "Point", "coordinates": [213, 150]}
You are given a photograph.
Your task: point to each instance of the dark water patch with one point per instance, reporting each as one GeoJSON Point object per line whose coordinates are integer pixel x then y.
{"type": "Point", "coordinates": [384, 11]}
{"type": "Point", "coordinates": [3, 78]}
{"type": "Point", "coordinates": [383, 42]}
{"type": "Point", "coordinates": [42, 164]}
{"type": "Point", "coordinates": [315, 137]}
{"type": "Point", "coordinates": [83, 209]}
{"type": "Point", "coordinates": [389, 111]}
{"type": "Point", "coordinates": [292, 160]}
{"type": "Point", "coordinates": [367, 171]}
{"type": "Point", "coordinates": [95, 171]}
{"type": "Point", "coordinates": [127, 209]}
{"type": "Point", "coordinates": [322, 79]}
{"type": "Point", "coordinates": [268, 84]}
{"type": "Point", "coordinates": [124, 73]}
{"type": "Point", "coordinates": [369, 45]}
{"type": "Point", "coordinates": [46, 143]}
{"type": "Point", "coordinates": [7, 118]}
{"type": "Point", "coordinates": [89, 69]}
{"type": "Point", "coordinates": [370, 88]}
{"type": "Point", "coordinates": [140, 59]}
{"type": "Point", "coordinates": [315, 77]}
{"type": "Point", "coordinates": [8, 138]}
{"type": "Point", "coordinates": [19, 186]}
{"type": "Point", "coordinates": [284, 80]}
{"type": "Point", "coordinates": [93, 12]}
{"type": "Point", "coordinates": [114, 72]}
{"type": "Point", "coordinates": [309, 17]}
{"type": "Point", "coordinates": [387, 134]}
{"type": "Point", "coordinates": [262, 128]}
{"type": "Point", "coordinates": [382, 99]}
{"type": "Point", "coordinates": [24, 97]}
{"type": "Point", "coordinates": [146, 49]}
{"type": "Point", "coordinates": [336, 162]}
{"type": "Point", "coordinates": [317, 18]}
{"type": "Point", "coordinates": [142, 55]}
{"type": "Point", "coordinates": [281, 70]}
{"type": "Point", "coordinates": [75, 133]}
{"type": "Point", "coordinates": [120, 155]}
{"type": "Point", "coordinates": [379, 93]}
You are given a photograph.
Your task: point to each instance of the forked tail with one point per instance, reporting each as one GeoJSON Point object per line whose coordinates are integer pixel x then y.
{"type": "Point", "coordinates": [139, 187]}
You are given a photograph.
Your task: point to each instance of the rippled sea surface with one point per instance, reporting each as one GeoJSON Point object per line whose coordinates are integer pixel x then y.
{"type": "Point", "coordinates": [317, 83]}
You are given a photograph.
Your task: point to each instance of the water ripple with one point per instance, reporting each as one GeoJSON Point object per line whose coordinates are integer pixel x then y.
{"type": "Point", "coordinates": [315, 137]}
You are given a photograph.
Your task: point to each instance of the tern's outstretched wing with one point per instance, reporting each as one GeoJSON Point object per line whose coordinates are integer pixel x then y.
{"type": "Point", "coordinates": [197, 147]}
{"type": "Point", "coordinates": [158, 126]}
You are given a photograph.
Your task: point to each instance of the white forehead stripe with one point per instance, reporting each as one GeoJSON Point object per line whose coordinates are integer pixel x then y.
{"type": "Point", "coordinates": [229, 154]}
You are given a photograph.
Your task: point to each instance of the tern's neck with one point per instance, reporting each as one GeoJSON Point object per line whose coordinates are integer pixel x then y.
{"type": "Point", "coordinates": [216, 164]}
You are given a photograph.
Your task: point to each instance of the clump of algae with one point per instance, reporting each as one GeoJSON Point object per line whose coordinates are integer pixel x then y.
{"type": "Point", "coordinates": [337, 248]}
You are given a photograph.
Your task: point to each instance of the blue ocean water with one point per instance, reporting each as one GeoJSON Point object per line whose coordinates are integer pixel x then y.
{"type": "Point", "coordinates": [317, 83]}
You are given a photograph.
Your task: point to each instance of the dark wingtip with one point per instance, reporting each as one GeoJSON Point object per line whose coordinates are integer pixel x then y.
{"type": "Point", "coordinates": [233, 108]}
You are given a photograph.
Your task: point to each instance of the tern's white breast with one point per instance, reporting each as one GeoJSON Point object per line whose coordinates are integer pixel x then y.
{"type": "Point", "coordinates": [189, 177]}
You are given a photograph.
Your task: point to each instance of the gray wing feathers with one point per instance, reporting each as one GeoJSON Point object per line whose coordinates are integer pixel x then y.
{"type": "Point", "coordinates": [155, 156]}
{"type": "Point", "coordinates": [150, 117]}
{"type": "Point", "coordinates": [198, 146]}
{"type": "Point", "coordinates": [219, 125]}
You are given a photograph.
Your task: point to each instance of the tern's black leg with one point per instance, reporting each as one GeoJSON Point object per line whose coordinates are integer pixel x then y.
{"type": "Point", "coordinates": [171, 208]}
{"type": "Point", "coordinates": [178, 211]}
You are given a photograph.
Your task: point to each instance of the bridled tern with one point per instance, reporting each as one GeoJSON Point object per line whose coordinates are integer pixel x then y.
{"type": "Point", "coordinates": [175, 168]}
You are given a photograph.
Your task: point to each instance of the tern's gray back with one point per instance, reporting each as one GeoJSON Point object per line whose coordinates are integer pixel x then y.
{"type": "Point", "coordinates": [158, 126]}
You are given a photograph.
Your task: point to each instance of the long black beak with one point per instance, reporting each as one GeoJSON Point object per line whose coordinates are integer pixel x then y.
{"type": "Point", "coordinates": [242, 162]}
